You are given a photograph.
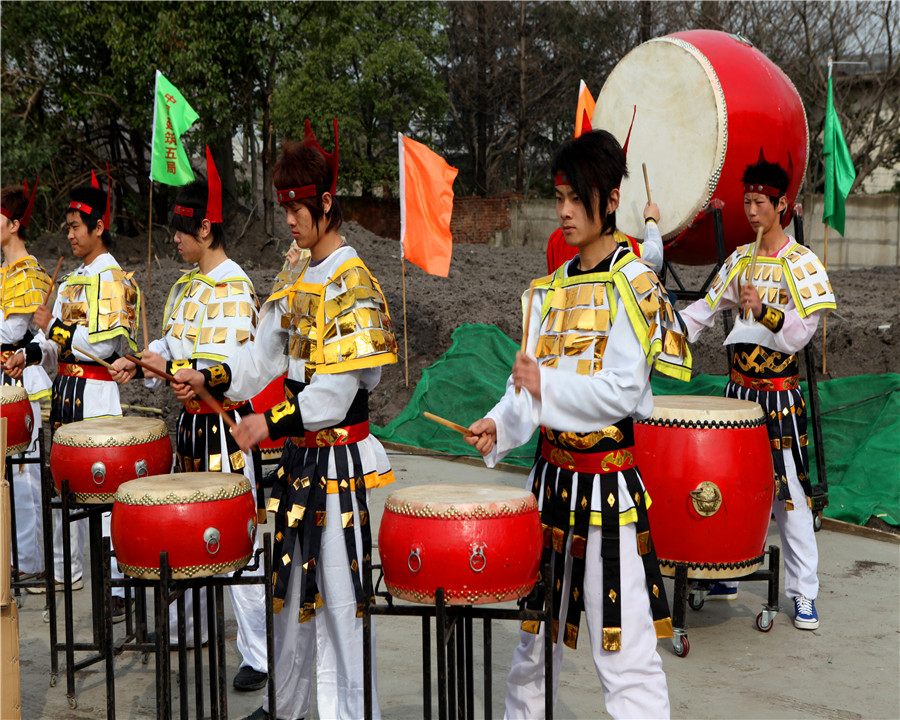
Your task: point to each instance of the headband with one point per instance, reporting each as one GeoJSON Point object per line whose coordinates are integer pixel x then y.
{"type": "Point", "coordinates": [307, 191]}
{"type": "Point", "coordinates": [213, 197]}
{"type": "Point", "coordinates": [764, 189]}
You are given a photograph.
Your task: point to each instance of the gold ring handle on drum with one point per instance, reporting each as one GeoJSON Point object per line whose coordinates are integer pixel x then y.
{"type": "Point", "coordinates": [98, 470]}
{"type": "Point", "coordinates": [477, 558]}
{"type": "Point", "coordinates": [211, 538]}
{"type": "Point", "coordinates": [706, 498]}
{"type": "Point", "coordinates": [414, 554]}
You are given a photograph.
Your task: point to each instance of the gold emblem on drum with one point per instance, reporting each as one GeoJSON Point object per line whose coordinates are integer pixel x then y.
{"type": "Point", "coordinates": [707, 498]}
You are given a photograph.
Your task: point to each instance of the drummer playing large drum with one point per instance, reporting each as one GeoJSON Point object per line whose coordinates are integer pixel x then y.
{"type": "Point", "coordinates": [594, 328]}
{"type": "Point", "coordinates": [780, 305]}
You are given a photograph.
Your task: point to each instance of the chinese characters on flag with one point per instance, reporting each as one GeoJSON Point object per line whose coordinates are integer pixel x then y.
{"type": "Point", "coordinates": [172, 116]}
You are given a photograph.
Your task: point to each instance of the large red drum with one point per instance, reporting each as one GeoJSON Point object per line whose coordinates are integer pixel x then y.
{"type": "Point", "coordinates": [206, 521]}
{"type": "Point", "coordinates": [707, 465]}
{"type": "Point", "coordinates": [99, 454]}
{"type": "Point", "coordinates": [15, 407]}
{"type": "Point", "coordinates": [480, 544]}
{"type": "Point", "coordinates": [706, 101]}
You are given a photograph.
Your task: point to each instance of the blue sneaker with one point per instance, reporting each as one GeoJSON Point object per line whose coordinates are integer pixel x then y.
{"type": "Point", "coordinates": [720, 591]}
{"type": "Point", "coordinates": [805, 615]}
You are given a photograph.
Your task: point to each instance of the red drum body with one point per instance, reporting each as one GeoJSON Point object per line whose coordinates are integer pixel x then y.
{"type": "Point", "coordinates": [480, 544]}
{"type": "Point", "coordinates": [706, 103]}
{"type": "Point", "coordinates": [15, 407]}
{"type": "Point", "coordinates": [205, 521]}
{"type": "Point", "coordinates": [707, 465]}
{"type": "Point", "coordinates": [269, 398]}
{"type": "Point", "coordinates": [98, 455]}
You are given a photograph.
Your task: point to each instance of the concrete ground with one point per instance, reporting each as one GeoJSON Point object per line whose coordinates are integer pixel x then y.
{"type": "Point", "coordinates": [848, 668]}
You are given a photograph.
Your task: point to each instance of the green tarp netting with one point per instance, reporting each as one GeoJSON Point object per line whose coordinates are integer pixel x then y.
{"type": "Point", "coordinates": [860, 420]}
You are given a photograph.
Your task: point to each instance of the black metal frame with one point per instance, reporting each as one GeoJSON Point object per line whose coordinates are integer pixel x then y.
{"type": "Point", "coordinates": [455, 647]}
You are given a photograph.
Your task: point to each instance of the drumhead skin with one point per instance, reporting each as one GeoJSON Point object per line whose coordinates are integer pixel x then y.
{"type": "Point", "coordinates": [704, 409]}
{"type": "Point", "coordinates": [460, 501]}
{"type": "Point", "coordinates": [111, 432]}
{"type": "Point", "coordinates": [191, 487]}
{"type": "Point", "coordinates": [706, 101]}
{"type": "Point", "coordinates": [12, 394]}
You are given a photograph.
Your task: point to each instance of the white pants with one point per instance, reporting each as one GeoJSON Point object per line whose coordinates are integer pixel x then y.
{"type": "Point", "coordinates": [332, 639]}
{"type": "Point", "coordinates": [78, 531]}
{"type": "Point", "coordinates": [26, 488]}
{"type": "Point", "coordinates": [798, 539]}
{"type": "Point", "coordinates": [249, 603]}
{"type": "Point", "coordinates": [633, 681]}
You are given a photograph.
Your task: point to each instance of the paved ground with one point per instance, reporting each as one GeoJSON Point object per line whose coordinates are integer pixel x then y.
{"type": "Point", "coordinates": [849, 668]}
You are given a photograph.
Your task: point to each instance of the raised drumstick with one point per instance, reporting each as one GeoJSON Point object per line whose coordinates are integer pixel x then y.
{"type": "Point", "coordinates": [449, 424]}
{"type": "Point", "coordinates": [646, 182]}
{"type": "Point", "coordinates": [94, 358]}
{"type": "Point", "coordinates": [203, 392]}
{"type": "Point", "coordinates": [53, 282]}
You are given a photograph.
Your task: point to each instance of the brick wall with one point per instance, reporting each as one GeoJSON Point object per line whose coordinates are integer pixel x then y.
{"type": "Point", "coordinates": [474, 220]}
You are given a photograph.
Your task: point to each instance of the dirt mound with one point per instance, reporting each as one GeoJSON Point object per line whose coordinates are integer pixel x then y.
{"type": "Point", "coordinates": [484, 286]}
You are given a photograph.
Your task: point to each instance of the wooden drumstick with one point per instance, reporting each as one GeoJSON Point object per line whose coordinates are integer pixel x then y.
{"type": "Point", "coordinates": [646, 182]}
{"type": "Point", "coordinates": [93, 357]}
{"type": "Point", "coordinates": [53, 282]}
{"type": "Point", "coordinates": [527, 321]}
{"type": "Point", "coordinates": [759, 233]}
{"type": "Point", "coordinates": [203, 393]}
{"type": "Point", "coordinates": [449, 424]}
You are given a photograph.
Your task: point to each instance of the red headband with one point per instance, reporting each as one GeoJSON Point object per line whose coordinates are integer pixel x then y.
{"type": "Point", "coordinates": [213, 197]}
{"type": "Point", "coordinates": [764, 189]}
{"type": "Point", "coordinates": [83, 207]}
{"type": "Point", "coordinates": [307, 191]}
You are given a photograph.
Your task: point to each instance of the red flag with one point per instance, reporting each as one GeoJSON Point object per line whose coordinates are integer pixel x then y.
{"type": "Point", "coordinates": [426, 204]}
{"type": "Point", "coordinates": [584, 111]}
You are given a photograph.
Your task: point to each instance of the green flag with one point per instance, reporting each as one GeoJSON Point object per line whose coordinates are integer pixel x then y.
{"type": "Point", "coordinates": [172, 115]}
{"type": "Point", "coordinates": [839, 171]}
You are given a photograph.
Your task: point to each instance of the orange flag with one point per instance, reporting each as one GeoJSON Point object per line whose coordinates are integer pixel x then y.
{"type": "Point", "coordinates": [584, 111]}
{"type": "Point", "coordinates": [426, 203]}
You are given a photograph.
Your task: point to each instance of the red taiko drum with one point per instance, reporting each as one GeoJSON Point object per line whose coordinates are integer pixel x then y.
{"type": "Point", "coordinates": [98, 455]}
{"type": "Point", "coordinates": [206, 521]}
{"type": "Point", "coordinates": [707, 465]}
{"type": "Point", "coordinates": [19, 419]}
{"type": "Point", "coordinates": [480, 544]}
{"type": "Point", "coordinates": [271, 395]}
{"type": "Point", "coordinates": [706, 101]}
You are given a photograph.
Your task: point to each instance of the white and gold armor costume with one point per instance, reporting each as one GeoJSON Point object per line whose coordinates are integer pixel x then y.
{"type": "Point", "coordinates": [595, 336]}
{"type": "Point", "coordinates": [794, 289]}
{"type": "Point", "coordinates": [23, 286]}
{"type": "Point", "coordinates": [331, 332]}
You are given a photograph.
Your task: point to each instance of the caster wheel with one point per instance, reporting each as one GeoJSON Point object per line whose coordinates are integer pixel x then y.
{"type": "Point", "coordinates": [20, 601]}
{"type": "Point", "coordinates": [73, 703]}
{"type": "Point", "coordinates": [763, 623]}
{"type": "Point", "coordinates": [817, 522]}
{"type": "Point", "coordinates": [695, 602]}
{"type": "Point", "coordinates": [145, 658]}
{"type": "Point", "coordinates": [46, 616]}
{"type": "Point", "coordinates": [54, 678]}
{"type": "Point", "coordinates": [681, 646]}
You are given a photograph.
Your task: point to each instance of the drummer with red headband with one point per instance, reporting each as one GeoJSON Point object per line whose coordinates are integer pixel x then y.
{"type": "Point", "coordinates": [780, 308]}
{"type": "Point", "coordinates": [23, 286]}
{"type": "Point", "coordinates": [210, 313]}
{"type": "Point", "coordinates": [96, 309]}
{"type": "Point", "coordinates": [331, 332]}
{"type": "Point", "coordinates": [596, 326]}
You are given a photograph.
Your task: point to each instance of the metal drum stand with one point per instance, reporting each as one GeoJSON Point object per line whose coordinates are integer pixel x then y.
{"type": "Point", "coordinates": [455, 646]}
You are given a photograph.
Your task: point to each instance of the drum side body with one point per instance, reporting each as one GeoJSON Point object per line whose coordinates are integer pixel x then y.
{"type": "Point", "coordinates": [95, 473]}
{"type": "Point", "coordinates": [707, 103]}
{"type": "Point", "coordinates": [141, 532]}
{"type": "Point", "coordinates": [19, 423]}
{"type": "Point", "coordinates": [475, 560]}
{"type": "Point", "coordinates": [711, 491]}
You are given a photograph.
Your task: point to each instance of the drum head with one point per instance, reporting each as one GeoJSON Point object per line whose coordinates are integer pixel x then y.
{"type": "Point", "coordinates": [182, 488]}
{"type": "Point", "coordinates": [111, 432]}
{"type": "Point", "coordinates": [12, 394]}
{"type": "Point", "coordinates": [679, 132]}
{"type": "Point", "coordinates": [701, 409]}
{"type": "Point", "coordinates": [448, 500]}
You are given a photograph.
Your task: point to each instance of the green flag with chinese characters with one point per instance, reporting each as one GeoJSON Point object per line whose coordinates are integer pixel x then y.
{"type": "Point", "coordinates": [172, 116]}
{"type": "Point", "coordinates": [839, 171]}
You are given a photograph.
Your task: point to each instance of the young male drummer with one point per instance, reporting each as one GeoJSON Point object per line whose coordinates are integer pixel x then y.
{"type": "Point", "coordinates": [23, 286]}
{"type": "Point", "coordinates": [96, 310]}
{"type": "Point", "coordinates": [331, 332]}
{"type": "Point", "coordinates": [780, 309]}
{"type": "Point", "coordinates": [595, 328]}
{"type": "Point", "coordinates": [210, 313]}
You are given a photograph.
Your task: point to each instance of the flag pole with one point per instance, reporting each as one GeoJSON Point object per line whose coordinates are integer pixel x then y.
{"type": "Point", "coordinates": [825, 319]}
{"type": "Point", "coordinates": [150, 240]}
{"type": "Point", "coordinates": [405, 348]}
